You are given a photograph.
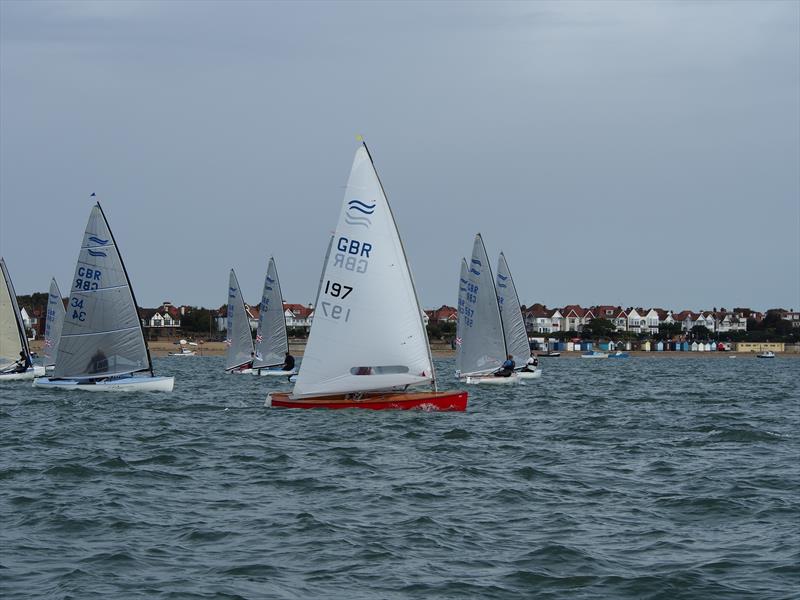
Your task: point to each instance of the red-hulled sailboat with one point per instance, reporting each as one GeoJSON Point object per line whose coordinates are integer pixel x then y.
{"type": "Point", "coordinates": [368, 342]}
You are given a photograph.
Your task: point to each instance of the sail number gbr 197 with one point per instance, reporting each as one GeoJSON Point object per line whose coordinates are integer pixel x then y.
{"type": "Point", "coordinates": [331, 309]}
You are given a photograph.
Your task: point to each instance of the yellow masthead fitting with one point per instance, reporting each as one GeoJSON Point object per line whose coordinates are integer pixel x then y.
{"type": "Point", "coordinates": [359, 137]}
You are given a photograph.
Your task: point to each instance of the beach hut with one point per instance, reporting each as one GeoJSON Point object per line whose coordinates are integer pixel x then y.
{"type": "Point", "coordinates": [701, 347]}
{"type": "Point", "coordinates": [604, 345]}
{"type": "Point", "coordinates": [713, 347]}
{"type": "Point", "coordinates": [659, 346]}
{"type": "Point", "coordinates": [612, 346]}
{"type": "Point", "coordinates": [693, 347]}
{"type": "Point", "coordinates": [570, 346]}
{"type": "Point", "coordinates": [646, 346]}
{"type": "Point", "coordinates": [709, 345]}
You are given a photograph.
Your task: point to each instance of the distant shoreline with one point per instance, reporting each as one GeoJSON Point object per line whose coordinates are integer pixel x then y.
{"type": "Point", "coordinates": [297, 348]}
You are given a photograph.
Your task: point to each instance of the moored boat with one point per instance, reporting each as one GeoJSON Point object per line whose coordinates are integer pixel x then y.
{"type": "Point", "coordinates": [766, 354]}
{"type": "Point", "coordinates": [355, 356]}
{"type": "Point", "coordinates": [594, 354]}
{"type": "Point", "coordinates": [102, 346]}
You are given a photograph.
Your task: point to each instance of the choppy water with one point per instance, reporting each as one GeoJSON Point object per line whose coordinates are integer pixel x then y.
{"type": "Point", "coordinates": [639, 478]}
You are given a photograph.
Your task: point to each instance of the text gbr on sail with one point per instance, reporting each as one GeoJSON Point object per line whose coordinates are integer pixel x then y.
{"type": "Point", "coordinates": [353, 255]}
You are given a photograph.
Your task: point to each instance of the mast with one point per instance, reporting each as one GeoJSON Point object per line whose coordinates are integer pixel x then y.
{"type": "Point", "coordinates": [130, 287]}
{"type": "Point", "coordinates": [408, 268]}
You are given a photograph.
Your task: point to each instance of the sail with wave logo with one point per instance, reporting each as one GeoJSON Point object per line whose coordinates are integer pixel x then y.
{"type": "Point", "coordinates": [102, 334]}
{"type": "Point", "coordinates": [239, 339]}
{"type": "Point", "coordinates": [272, 343]}
{"type": "Point", "coordinates": [54, 322]}
{"type": "Point", "coordinates": [483, 346]}
{"type": "Point", "coordinates": [511, 312]}
{"type": "Point", "coordinates": [368, 332]}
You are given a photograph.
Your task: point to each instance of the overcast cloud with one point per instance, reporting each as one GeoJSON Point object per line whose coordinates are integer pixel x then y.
{"type": "Point", "coordinates": [627, 153]}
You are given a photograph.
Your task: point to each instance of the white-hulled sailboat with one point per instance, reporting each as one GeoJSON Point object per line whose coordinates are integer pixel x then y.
{"type": "Point", "coordinates": [368, 342]}
{"type": "Point", "coordinates": [102, 346]}
{"type": "Point", "coordinates": [15, 355]}
{"type": "Point", "coordinates": [272, 342]}
{"type": "Point", "coordinates": [513, 322]}
{"type": "Point", "coordinates": [239, 340]}
{"type": "Point", "coordinates": [483, 343]}
{"type": "Point", "coordinates": [53, 325]}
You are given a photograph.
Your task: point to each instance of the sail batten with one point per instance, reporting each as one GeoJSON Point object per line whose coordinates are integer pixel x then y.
{"type": "Point", "coordinates": [239, 337]}
{"type": "Point", "coordinates": [368, 332]}
{"type": "Point", "coordinates": [483, 346]}
{"type": "Point", "coordinates": [513, 322]}
{"type": "Point", "coordinates": [102, 334]}
{"type": "Point", "coordinates": [272, 341]}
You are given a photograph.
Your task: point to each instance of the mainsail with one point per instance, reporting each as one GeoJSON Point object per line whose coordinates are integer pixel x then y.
{"type": "Point", "coordinates": [513, 322]}
{"type": "Point", "coordinates": [483, 345]}
{"type": "Point", "coordinates": [239, 338]}
{"type": "Point", "coordinates": [368, 332]}
{"type": "Point", "coordinates": [53, 324]}
{"type": "Point", "coordinates": [12, 331]}
{"type": "Point", "coordinates": [102, 334]}
{"type": "Point", "coordinates": [272, 343]}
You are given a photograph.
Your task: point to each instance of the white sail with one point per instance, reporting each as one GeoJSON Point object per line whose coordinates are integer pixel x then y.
{"type": "Point", "coordinates": [511, 312]}
{"type": "Point", "coordinates": [483, 345]}
{"type": "Point", "coordinates": [367, 332]}
{"type": "Point", "coordinates": [272, 343]}
{"type": "Point", "coordinates": [239, 338]}
{"type": "Point", "coordinates": [462, 308]}
{"type": "Point", "coordinates": [102, 333]}
{"type": "Point", "coordinates": [12, 331]}
{"type": "Point", "coordinates": [53, 324]}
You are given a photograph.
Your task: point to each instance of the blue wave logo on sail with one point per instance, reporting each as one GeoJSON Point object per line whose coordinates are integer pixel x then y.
{"type": "Point", "coordinates": [475, 261]}
{"type": "Point", "coordinates": [268, 287]}
{"type": "Point", "coordinates": [357, 211]}
{"type": "Point", "coordinates": [97, 240]}
{"type": "Point", "coordinates": [475, 271]}
{"type": "Point", "coordinates": [270, 280]}
{"type": "Point", "coordinates": [54, 297]}
{"type": "Point", "coordinates": [231, 292]}
{"type": "Point", "coordinates": [96, 252]}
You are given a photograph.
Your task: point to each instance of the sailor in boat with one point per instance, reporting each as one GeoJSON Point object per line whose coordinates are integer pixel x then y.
{"type": "Point", "coordinates": [23, 363]}
{"type": "Point", "coordinates": [507, 368]}
{"type": "Point", "coordinates": [288, 363]}
{"type": "Point", "coordinates": [531, 364]}
{"type": "Point", "coordinates": [98, 363]}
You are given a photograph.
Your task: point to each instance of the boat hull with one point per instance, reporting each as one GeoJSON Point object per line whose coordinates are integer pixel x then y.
{"type": "Point", "coordinates": [241, 371]}
{"type": "Point", "coordinates": [529, 374]}
{"type": "Point", "coordinates": [594, 355]}
{"type": "Point", "coordinates": [427, 401]}
{"type": "Point", "coordinates": [491, 380]}
{"type": "Point", "coordinates": [267, 372]}
{"type": "Point", "coordinates": [181, 354]}
{"type": "Point", "coordinates": [123, 384]}
{"type": "Point", "coordinates": [24, 376]}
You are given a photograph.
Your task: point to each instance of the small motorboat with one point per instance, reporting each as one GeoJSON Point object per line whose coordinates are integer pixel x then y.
{"type": "Point", "coordinates": [594, 354]}
{"type": "Point", "coordinates": [766, 354]}
{"type": "Point", "coordinates": [618, 354]}
{"type": "Point", "coordinates": [548, 354]}
{"type": "Point", "coordinates": [184, 349]}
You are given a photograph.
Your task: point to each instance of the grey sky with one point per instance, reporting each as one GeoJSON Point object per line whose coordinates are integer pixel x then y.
{"type": "Point", "coordinates": [632, 153]}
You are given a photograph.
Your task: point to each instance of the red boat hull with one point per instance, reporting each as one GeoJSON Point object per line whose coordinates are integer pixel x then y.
{"type": "Point", "coordinates": [427, 401]}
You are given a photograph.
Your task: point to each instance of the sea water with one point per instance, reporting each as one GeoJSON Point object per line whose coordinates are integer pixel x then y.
{"type": "Point", "coordinates": [639, 478]}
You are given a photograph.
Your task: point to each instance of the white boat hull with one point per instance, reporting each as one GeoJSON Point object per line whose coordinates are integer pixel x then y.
{"type": "Point", "coordinates": [241, 371]}
{"type": "Point", "coordinates": [121, 384]}
{"type": "Point", "coordinates": [491, 380]}
{"type": "Point", "coordinates": [181, 354]}
{"type": "Point", "coordinates": [267, 372]}
{"type": "Point", "coordinates": [594, 355]}
{"type": "Point", "coordinates": [35, 371]}
{"type": "Point", "coordinates": [529, 374]}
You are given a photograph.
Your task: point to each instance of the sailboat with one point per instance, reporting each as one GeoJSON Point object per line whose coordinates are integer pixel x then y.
{"type": "Point", "coordinates": [15, 355]}
{"type": "Point", "coordinates": [513, 321]}
{"type": "Point", "coordinates": [102, 346]}
{"type": "Point", "coordinates": [239, 340]}
{"type": "Point", "coordinates": [53, 325]}
{"type": "Point", "coordinates": [272, 343]}
{"type": "Point", "coordinates": [483, 343]}
{"type": "Point", "coordinates": [368, 342]}
{"type": "Point", "coordinates": [184, 349]}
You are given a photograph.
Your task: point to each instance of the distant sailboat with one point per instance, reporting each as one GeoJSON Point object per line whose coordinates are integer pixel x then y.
{"type": "Point", "coordinates": [53, 324]}
{"type": "Point", "coordinates": [272, 342]}
{"type": "Point", "coordinates": [483, 343]}
{"type": "Point", "coordinates": [367, 343]}
{"type": "Point", "coordinates": [239, 340]}
{"type": "Point", "coordinates": [15, 355]}
{"type": "Point", "coordinates": [513, 321]}
{"type": "Point", "coordinates": [102, 346]}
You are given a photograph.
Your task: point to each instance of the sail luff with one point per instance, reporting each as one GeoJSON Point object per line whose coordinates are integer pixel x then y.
{"type": "Point", "coordinates": [461, 314]}
{"type": "Point", "coordinates": [408, 267]}
{"type": "Point", "coordinates": [130, 288]}
{"type": "Point", "coordinates": [240, 338]}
